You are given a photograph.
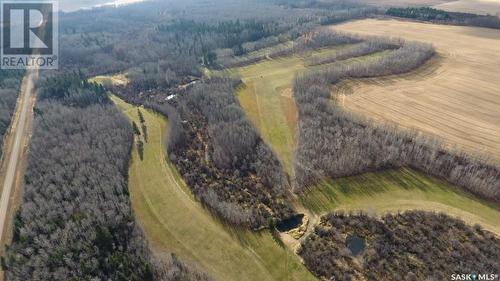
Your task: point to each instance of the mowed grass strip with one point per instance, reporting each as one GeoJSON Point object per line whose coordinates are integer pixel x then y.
{"type": "Point", "coordinates": [267, 97]}
{"type": "Point", "coordinates": [400, 190]}
{"type": "Point", "coordinates": [175, 222]}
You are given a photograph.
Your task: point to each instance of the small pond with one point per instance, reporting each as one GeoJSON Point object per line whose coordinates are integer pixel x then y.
{"type": "Point", "coordinates": [291, 223]}
{"type": "Point", "coordinates": [356, 244]}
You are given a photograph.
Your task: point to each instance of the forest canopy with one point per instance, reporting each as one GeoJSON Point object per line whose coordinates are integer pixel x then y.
{"type": "Point", "coordinates": [76, 222]}
{"type": "Point", "coordinates": [411, 246]}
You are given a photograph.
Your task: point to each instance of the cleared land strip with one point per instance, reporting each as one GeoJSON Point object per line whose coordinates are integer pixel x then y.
{"type": "Point", "coordinates": [174, 222]}
{"type": "Point", "coordinates": [16, 141]}
{"type": "Point", "coordinates": [400, 190]}
{"type": "Point", "coordinates": [267, 98]}
{"type": "Point", "coordinates": [457, 99]}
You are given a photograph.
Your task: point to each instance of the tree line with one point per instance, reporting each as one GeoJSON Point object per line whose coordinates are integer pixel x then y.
{"type": "Point", "coordinates": [223, 160]}
{"type": "Point", "coordinates": [412, 246]}
{"type": "Point", "coordinates": [218, 152]}
{"type": "Point", "coordinates": [445, 17]}
{"type": "Point", "coordinates": [367, 47]}
{"type": "Point", "coordinates": [75, 221]}
{"type": "Point", "coordinates": [308, 41]}
{"type": "Point", "coordinates": [180, 36]}
{"type": "Point", "coordinates": [10, 84]}
{"type": "Point", "coordinates": [345, 144]}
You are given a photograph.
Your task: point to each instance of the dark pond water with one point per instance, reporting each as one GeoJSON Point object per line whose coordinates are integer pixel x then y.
{"type": "Point", "coordinates": [356, 244]}
{"type": "Point", "coordinates": [290, 223]}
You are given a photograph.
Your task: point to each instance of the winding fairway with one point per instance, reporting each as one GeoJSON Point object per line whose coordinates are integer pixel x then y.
{"type": "Point", "coordinates": [268, 101]}
{"type": "Point", "coordinates": [400, 190]}
{"type": "Point", "coordinates": [175, 222]}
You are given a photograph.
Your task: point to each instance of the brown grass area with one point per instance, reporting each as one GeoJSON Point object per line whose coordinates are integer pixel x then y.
{"type": "Point", "coordinates": [456, 96]}
{"type": "Point", "coordinates": [481, 7]}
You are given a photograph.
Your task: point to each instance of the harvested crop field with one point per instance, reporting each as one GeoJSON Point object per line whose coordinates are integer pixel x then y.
{"type": "Point", "coordinates": [455, 96]}
{"type": "Point", "coordinates": [481, 7]}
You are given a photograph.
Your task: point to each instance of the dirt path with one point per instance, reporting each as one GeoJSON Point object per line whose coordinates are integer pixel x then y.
{"type": "Point", "coordinates": [15, 151]}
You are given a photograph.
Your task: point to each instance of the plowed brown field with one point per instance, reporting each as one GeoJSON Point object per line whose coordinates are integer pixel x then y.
{"type": "Point", "coordinates": [455, 96]}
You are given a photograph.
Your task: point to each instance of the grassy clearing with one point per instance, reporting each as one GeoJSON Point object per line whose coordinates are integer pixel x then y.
{"type": "Point", "coordinates": [399, 190]}
{"type": "Point", "coordinates": [117, 79]}
{"type": "Point", "coordinates": [175, 222]}
{"type": "Point", "coordinates": [268, 101]}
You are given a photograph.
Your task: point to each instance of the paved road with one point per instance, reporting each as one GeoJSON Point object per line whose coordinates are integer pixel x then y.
{"type": "Point", "coordinates": [14, 147]}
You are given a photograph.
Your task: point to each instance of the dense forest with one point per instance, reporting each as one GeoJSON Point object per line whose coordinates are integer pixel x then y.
{"type": "Point", "coordinates": [75, 222]}
{"type": "Point", "coordinates": [346, 144]}
{"type": "Point", "coordinates": [220, 154]}
{"type": "Point", "coordinates": [182, 35]}
{"type": "Point", "coordinates": [409, 246]}
{"type": "Point", "coordinates": [10, 83]}
{"type": "Point", "coordinates": [444, 17]}
{"type": "Point", "coordinates": [223, 159]}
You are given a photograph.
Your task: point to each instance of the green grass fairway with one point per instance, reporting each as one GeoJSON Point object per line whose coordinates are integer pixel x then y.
{"type": "Point", "coordinates": [268, 101]}
{"type": "Point", "coordinates": [400, 190]}
{"type": "Point", "coordinates": [175, 222]}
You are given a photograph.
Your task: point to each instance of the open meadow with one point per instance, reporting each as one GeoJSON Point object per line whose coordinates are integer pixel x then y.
{"type": "Point", "coordinates": [455, 96]}
{"type": "Point", "coordinates": [175, 222]}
